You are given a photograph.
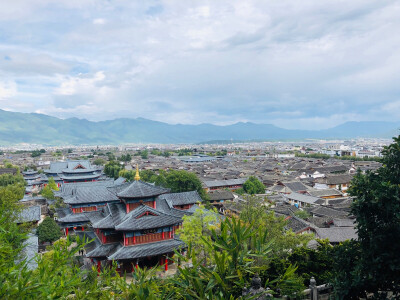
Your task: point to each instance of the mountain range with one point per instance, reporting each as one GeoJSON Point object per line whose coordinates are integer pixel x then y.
{"type": "Point", "coordinates": [16, 128]}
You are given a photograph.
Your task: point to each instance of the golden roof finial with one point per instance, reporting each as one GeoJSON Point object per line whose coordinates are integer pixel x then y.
{"type": "Point", "coordinates": [137, 176]}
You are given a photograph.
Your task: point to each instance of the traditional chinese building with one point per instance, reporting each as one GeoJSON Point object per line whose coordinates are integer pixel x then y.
{"type": "Point", "coordinates": [34, 181]}
{"type": "Point", "coordinates": [73, 171]}
{"type": "Point", "coordinates": [132, 223]}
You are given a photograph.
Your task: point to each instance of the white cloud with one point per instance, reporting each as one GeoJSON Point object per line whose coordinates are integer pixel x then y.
{"type": "Point", "coordinates": [296, 64]}
{"type": "Point", "coordinates": [99, 21]}
{"type": "Point", "coordinates": [8, 89]}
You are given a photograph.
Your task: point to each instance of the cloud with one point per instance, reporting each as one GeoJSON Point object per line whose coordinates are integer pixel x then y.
{"type": "Point", "coordinates": [8, 89]}
{"type": "Point", "coordinates": [307, 64]}
{"type": "Point", "coordinates": [99, 21]}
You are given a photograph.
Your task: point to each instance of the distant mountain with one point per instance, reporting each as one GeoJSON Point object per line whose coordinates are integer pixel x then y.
{"type": "Point", "coordinates": [35, 128]}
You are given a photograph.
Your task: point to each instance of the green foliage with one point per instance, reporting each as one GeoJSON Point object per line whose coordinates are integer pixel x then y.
{"type": "Point", "coordinates": [256, 213]}
{"type": "Point", "coordinates": [112, 169]}
{"type": "Point", "coordinates": [144, 154]}
{"type": "Point", "coordinates": [199, 225]}
{"type": "Point", "coordinates": [99, 162]}
{"type": "Point", "coordinates": [302, 214]}
{"type": "Point", "coordinates": [183, 181]}
{"type": "Point", "coordinates": [240, 191]}
{"type": "Point", "coordinates": [47, 193]}
{"type": "Point", "coordinates": [110, 156]}
{"type": "Point", "coordinates": [253, 186]}
{"type": "Point", "coordinates": [48, 230]}
{"type": "Point", "coordinates": [36, 153]}
{"type": "Point", "coordinates": [317, 263]}
{"type": "Point", "coordinates": [233, 263]}
{"type": "Point", "coordinates": [125, 157]}
{"type": "Point", "coordinates": [52, 184]}
{"type": "Point", "coordinates": [377, 210]}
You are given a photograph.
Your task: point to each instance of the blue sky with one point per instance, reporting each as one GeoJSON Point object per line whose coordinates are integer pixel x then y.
{"type": "Point", "coordinates": [295, 64]}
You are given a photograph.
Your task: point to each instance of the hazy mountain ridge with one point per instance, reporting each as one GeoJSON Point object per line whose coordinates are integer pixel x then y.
{"type": "Point", "coordinates": [35, 128]}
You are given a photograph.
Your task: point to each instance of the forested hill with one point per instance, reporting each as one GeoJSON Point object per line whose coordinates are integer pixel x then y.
{"type": "Point", "coordinates": [42, 129]}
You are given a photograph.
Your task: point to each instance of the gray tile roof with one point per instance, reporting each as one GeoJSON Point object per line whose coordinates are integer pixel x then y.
{"type": "Point", "coordinates": [103, 250]}
{"type": "Point", "coordinates": [302, 198]}
{"type": "Point", "coordinates": [139, 189]}
{"type": "Point", "coordinates": [220, 195]}
{"type": "Point", "coordinates": [295, 186]}
{"type": "Point", "coordinates": [337, 234]}
{"type": "Point", "coordinates": [182, 198]}
{"type": "Point", "coordinates": [296, 224]}
{"type": "Point", "coordinates": [335, 179]}
{"type": "Point", "coordinates": [29, 251]}
{"type": "Point", "coordinates": [91, 194]}
{"type": "Point", "coordinates": [114, 214]}
{"type": "Point", "coordinates": [30, 214]}
{"type": "Point", "coordinates": [135, 221]}
{"type": "Point", "coordinates": [78, 218]}
{"type": "Point", "coordinates": [144, 250]}
{"type": "Point", "coordinates": [167, 207]}
{"type": "Point", "coordinates": [328, 212]}
{"type": "Point", "coordinates": [221, 183]}
{"type": "Point", "coordinates": [324, 193]}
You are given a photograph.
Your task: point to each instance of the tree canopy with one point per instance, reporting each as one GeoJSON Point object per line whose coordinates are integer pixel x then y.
{"type": "Point", "coordinates": [253, 186]}
{"type": "Point", "coordinates": [48, 230]}
{"type": "Point", "coordinates": [376, 260]}
{"type": "Point", "coordinates": [112, 169]}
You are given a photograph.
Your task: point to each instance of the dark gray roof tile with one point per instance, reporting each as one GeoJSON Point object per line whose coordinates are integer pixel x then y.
{"type": "Point", "coordinates": [144, 250]}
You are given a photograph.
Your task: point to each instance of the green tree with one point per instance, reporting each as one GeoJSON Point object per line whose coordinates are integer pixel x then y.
{"type": "Point", "coordinates": [48, 230]}
{"type": "Point", "coordinates": [199, 225]}
{"type": "Point", "coordinates": [110, 156]}
{"type": "Point", "coordinates": [112, 168]}
{"type": "Point", "coordinates": [302, 214]}
{"type": "Point", "coordinates": [99, 162]}
{"type": "Point", "coordinates": [253, 186]}
{"type": "Point", "coordinates": [52, 184]}
{"type": "Point", "coordinates": [183, 181]}
{"type": "Point", "coordinates": [47, 193]}
{"type": "Point", "coordinates": [377, 210]}
{"type": "Point", "coordinates": [125, 157]}
{"type": "Point", "coordinates": [144, 154]}
{"type": "Point", "coordinates": [255, 212]}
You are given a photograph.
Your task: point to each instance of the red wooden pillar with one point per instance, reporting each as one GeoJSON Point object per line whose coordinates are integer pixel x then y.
{"type": "Point", "coordinates": [170, 234]}
{"type": "Point", "coordinates": [83, 229]}
{"type": "Point", "coordinates": [134, 239]}
{"type": "Point", "coordinates": [163, 235]}
{"type": "Point", "coordinates": [154, 204]}
{"type": "Point", "coordinates": [98, 266]}
{"type": "Point", "coordinates": [166, 264]}
{"type": "Point", "coordinates": [66, 231]}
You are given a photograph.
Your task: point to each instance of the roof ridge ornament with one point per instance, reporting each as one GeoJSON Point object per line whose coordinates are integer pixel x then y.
{"type": "Point", "coordinates": [137, 176]}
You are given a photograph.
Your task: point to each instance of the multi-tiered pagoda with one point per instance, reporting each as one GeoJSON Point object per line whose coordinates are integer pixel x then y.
{"type": "Point", "coordinates": [73, 171]}
{"type": "Point", "coordinates": [132, 223]}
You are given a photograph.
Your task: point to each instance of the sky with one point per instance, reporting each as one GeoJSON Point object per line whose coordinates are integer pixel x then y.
{"type": "Point", "coordinates": [295, 64]}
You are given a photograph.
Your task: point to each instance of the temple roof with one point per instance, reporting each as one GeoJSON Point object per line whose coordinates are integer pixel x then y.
{"type": "Point", "coordinates": [103, 250]}
{"type": "Point", "coordinates": [73, 218]}
{"type": "Point", "coordinates": [137, 220]}
{"type": "Point", "coordinates": [90, 194]}
{"type": "Point", "coordinates": [139, 189]}
{"type": "Point", "coordinates": [112, 213]}
{"type": "Point", "coordinates": [182, 198]}
{"type": "Point", "coordinates": [80, 176]}
{"type": "Point", "coordinates": [149, 249]}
